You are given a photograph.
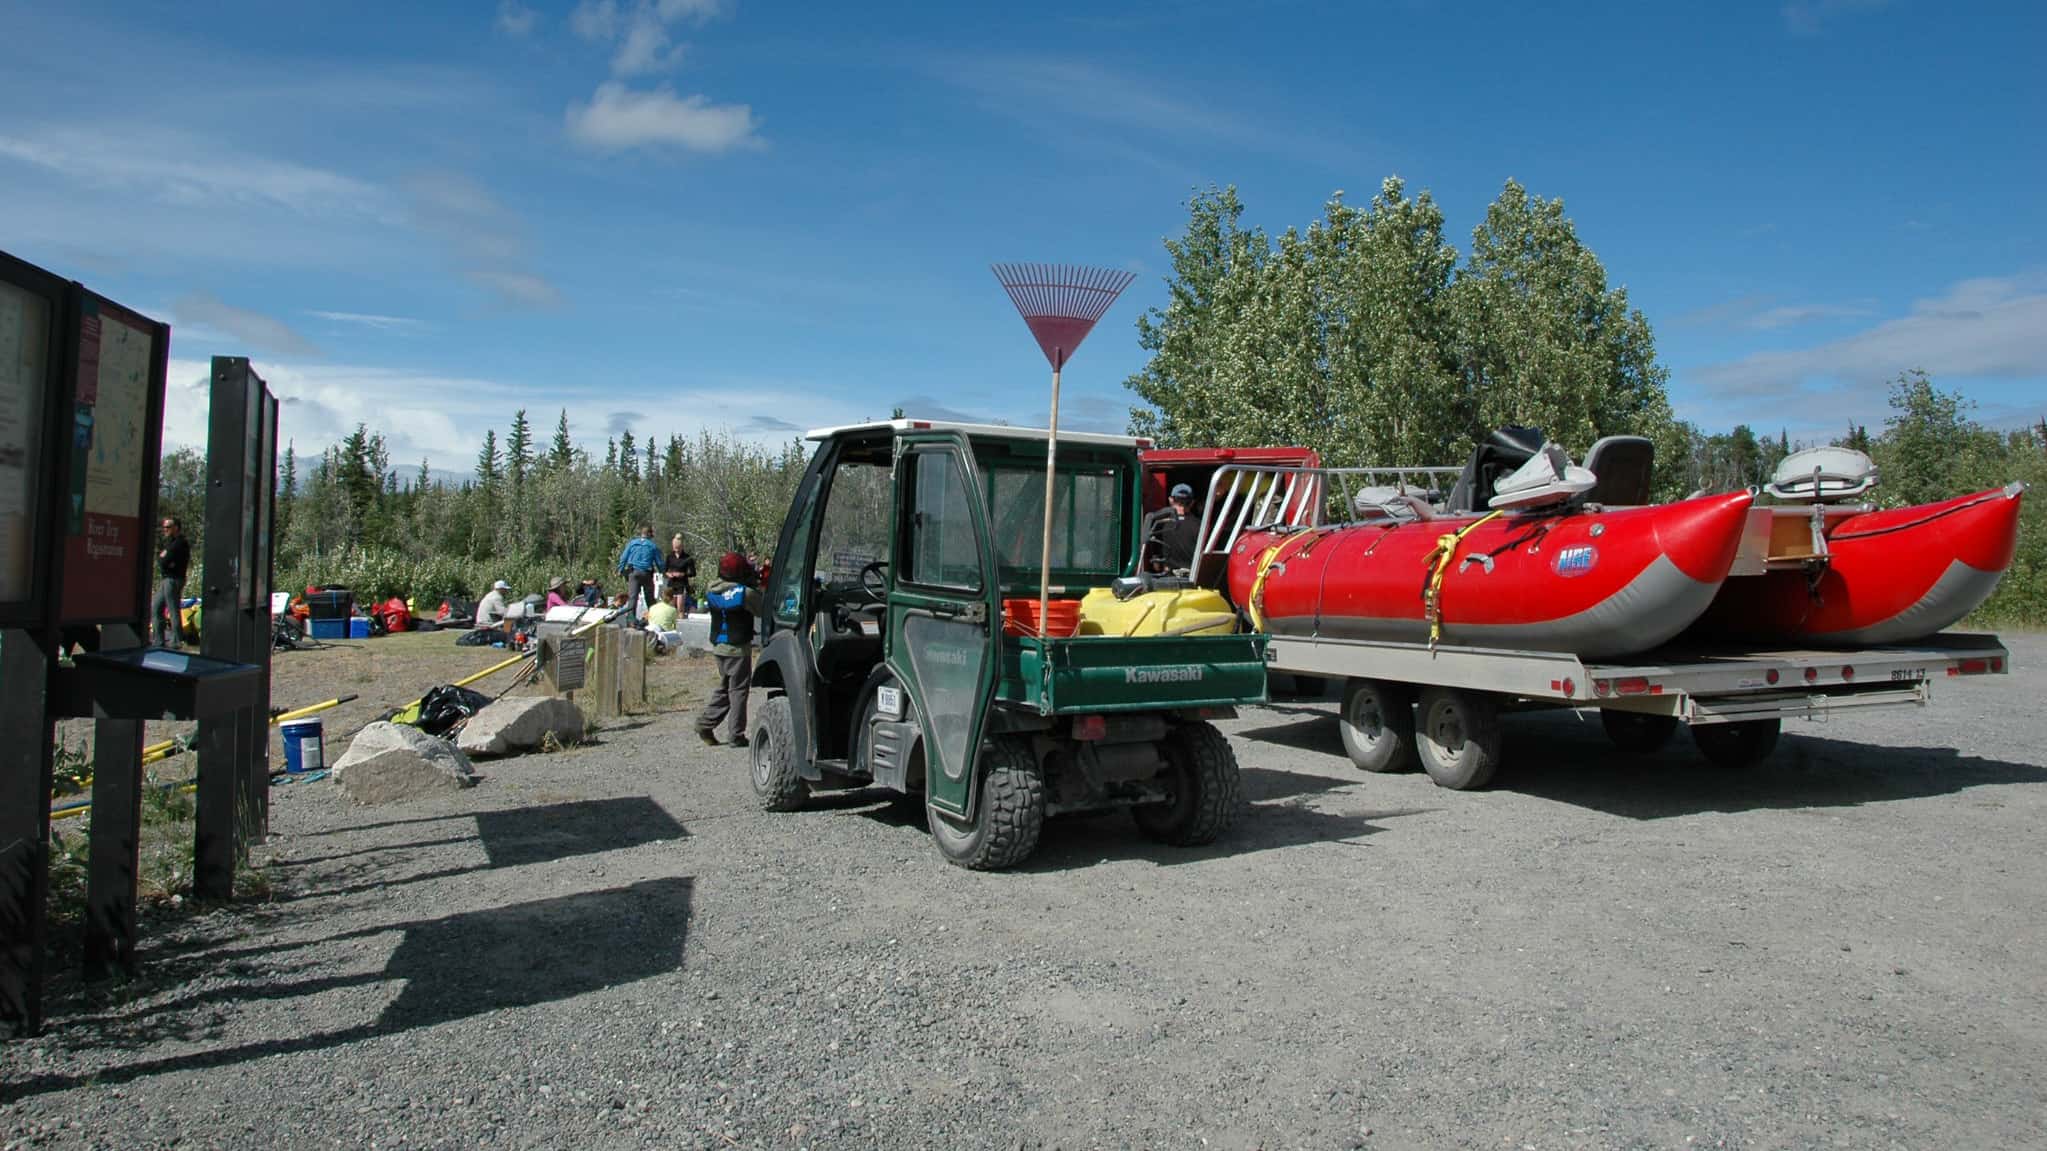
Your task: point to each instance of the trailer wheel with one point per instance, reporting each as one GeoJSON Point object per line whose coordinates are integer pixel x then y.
{"type": "Point", "coordinates": [1377, 722]}
{"type": "Point", "coordinates": [1458, 737]}
{"type": "Point", "coordinates": [1738, 745]}
{"type": "Point", "coordinates": [1006, 823]}
{"type": "Point", "coordinates": [776, 782]}
{"type": "Point", "coordinates": [1206, 789]}
{"type": "Point", "coordinates": [1633, 731]}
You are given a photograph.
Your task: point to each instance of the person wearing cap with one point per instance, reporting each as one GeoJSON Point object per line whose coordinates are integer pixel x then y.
{"type": "Point", "coordinates": [557, 593]}
{"type": "Point", "coordinates": [734, 599]}
{"type": "Point", "coordinates": [490, 610]}
{"type": "Point", "coordinates": [637, 563]}
{"type": "Point", "coordinates": [1169, 532]}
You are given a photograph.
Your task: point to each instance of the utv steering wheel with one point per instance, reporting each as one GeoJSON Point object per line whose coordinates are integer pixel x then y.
{"type": "Point", "coordinates": [874, 581]}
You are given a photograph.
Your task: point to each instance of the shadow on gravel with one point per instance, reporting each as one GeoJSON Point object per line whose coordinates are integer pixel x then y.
{"type": "Point", "coordinates": [453, 967]}
{"type": "Point", "coordinates": [1315, 730]}
{"type": "Point", "coordinates": [1085, 841]}
{"type": "Point", "coordinates": [513, 837]}
{"type": "Point", "coordinates": [1558, 758]}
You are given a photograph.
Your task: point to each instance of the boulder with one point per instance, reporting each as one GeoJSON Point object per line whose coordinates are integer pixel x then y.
{"type": "Point", "coordinates": [510, 726]}
{"type": "Point", "coordinates": [392, 762]}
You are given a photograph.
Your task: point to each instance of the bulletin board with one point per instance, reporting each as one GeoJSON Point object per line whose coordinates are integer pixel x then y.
{"type": "Point", "coordinates": [31, 311]}
{"type": "Point", "coordinates": [115, 427]}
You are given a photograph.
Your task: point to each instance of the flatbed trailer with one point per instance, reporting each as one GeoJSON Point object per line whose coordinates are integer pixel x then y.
{"type": "Point", "coordinates": [1404, 701]}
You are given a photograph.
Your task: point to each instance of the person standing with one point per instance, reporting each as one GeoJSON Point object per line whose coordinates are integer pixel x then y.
{"type": "Point", "coordinates": [173, 559]}
{"type": "Point", "coordinates": [733, 599]}
{"type": "Point", "coordinates": [682, 573]}
{"type": "Point", "coordinates": [637, 563]}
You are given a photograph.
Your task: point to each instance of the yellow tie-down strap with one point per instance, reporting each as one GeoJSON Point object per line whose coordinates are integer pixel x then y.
{"type": "Point", "coordinates": [1445, 553]}
{"type": "Point", "coordinates": [1266, 562]}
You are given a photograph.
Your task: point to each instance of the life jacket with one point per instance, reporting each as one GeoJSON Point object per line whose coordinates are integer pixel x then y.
{"type": "Point", "coordinates": [731, 623]}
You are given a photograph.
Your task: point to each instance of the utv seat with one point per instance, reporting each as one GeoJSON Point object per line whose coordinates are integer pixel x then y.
{"type": "Point", "coordinates": [1623, 465]}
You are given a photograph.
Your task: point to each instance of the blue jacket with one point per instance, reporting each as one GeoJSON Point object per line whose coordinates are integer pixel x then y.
{"type": "Point", "coordinates": [642, 554]}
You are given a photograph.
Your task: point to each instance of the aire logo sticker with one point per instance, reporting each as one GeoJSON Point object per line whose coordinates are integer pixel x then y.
{"type": "Point", "coordinates": [1575, 561]}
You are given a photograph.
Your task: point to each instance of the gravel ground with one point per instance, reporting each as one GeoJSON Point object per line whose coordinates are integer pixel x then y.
{"type": "Point", "coordinates": [611, 947]}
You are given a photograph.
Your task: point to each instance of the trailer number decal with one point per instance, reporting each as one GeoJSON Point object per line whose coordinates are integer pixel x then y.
{"type": "Point", "coordinates": [1186, 673]}
{"type": "Point", "coordinates": [1575, 561]}
{"type": "Point", "coordinates": [888, 701]}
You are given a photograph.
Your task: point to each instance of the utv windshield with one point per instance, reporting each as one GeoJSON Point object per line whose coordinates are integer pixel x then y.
{"type": "Point", "coordinates": [1089, 547]}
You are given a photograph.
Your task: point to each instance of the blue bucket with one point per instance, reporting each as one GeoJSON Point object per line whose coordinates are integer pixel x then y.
{"type": "Point", "coordinates": [302, 746]}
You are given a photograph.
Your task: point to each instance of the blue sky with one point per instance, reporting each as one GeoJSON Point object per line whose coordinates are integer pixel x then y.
{"type": "Point", "coordinates": [670, 214]}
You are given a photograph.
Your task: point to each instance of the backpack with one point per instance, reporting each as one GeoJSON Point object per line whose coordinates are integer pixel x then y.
{"type": "Point", "coordinates": [731, 623]}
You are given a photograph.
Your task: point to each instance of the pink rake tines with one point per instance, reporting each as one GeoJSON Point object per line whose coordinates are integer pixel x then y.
{"type": "Point", "coordinates": [1060, 303]}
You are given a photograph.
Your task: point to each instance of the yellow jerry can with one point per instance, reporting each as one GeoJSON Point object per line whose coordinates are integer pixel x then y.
{"type": "Point", "coordinates": [1190, 611]}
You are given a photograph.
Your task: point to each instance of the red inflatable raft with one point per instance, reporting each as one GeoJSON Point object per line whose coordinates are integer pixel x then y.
{"type": "Point", "coordinates": [1593, 583]}
{"type": "Point", "coordinates": [1886, 576]}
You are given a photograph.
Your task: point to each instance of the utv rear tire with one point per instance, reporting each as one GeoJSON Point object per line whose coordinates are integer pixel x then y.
{"type": "Point", "coordinates": [1633, 731]}
{"type": "Point", "coordinates": [1459, 737]}
{"type": "Point", "coordinates": [1377, 722]}
{"type": "Point", "coordinates": [776, 782]}
{"type": "Point", "coordinates": [1205, 788]}
{"type": "Point", "coordinates": [1738, 745]}
{"type": "Point", "coordinates": [1006, 823]}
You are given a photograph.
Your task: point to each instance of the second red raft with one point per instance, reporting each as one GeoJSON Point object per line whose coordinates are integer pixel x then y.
{"type": "Point", "coordinates": [1594, 583]}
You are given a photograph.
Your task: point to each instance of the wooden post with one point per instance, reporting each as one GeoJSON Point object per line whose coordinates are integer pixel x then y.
{"type": "Point", "coordinates": [632, 677]}
{"type": "Point", "coordinates": [25, 778]}
{"type": "Point", "coordinates": [116, 842]}
{"type": "Point", "coordinates": [220, 834]}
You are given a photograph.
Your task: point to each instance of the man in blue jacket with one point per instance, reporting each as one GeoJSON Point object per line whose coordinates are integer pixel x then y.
{"type": "Point", "coordinates": [637, 564]}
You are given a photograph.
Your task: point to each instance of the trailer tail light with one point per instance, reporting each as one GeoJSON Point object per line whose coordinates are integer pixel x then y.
{"type": "Point", "coordinates": [1771, 677]}
{"type": "Point", "coordinates": [1812, 675]}
{"type": "Point", "coordinates": [1996, 664]}
{"type": "Point", "coordinates": [1973, 666]}
{"type": "Point", "coordinates": [1570, 688]}
{"type": "Point", "coordinates": [1601, 687]}
{"type": "Point", "coordinates": [1847, 671]}
{"type": "Point", "coordinates": [1090, 727]}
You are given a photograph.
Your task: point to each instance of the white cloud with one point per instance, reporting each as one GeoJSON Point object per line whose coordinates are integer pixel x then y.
{"type": "Point", "coordinates": [1762, 313]}
{"type": "Point", "coordinates": [595, 19]}
{"type": "Point", "coordinates": [263, 332]}
{"type": "Point", "coordinates": [645, 47]}
{"type": "Point", "coordinates": [180, 169]}
{"type": "Point", "coordinates": [370, 320]}
{"type": "Point", "coordinates": [486, 238]}
{"type": "Point", "coordinates": [1991, 328]}
{"type": "Point", "coordinates": [617, 119]}
{"type": "Point", "coordinates": [441, 418]}
{"type": "Point", "coordinates": [515, 19]}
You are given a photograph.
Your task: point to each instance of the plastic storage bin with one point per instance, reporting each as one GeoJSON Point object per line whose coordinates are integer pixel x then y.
{"type": "Point", "coordinates": [328, 628]}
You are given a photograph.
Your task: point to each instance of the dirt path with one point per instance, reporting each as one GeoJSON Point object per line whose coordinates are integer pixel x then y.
{"type": "Point", "coordinates": [613, 948]}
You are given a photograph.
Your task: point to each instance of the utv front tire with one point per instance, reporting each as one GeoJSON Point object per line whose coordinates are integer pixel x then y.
{"type": "Point", "coordinates": [776, 782]}
{"type": "Point", "coordinates": [1205, 790]}
{"type": "Point", "coordinates": [1006, 823]}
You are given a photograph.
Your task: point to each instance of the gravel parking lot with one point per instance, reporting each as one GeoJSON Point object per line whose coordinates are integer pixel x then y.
{"type": "Point", "coordinates": [611, 947]}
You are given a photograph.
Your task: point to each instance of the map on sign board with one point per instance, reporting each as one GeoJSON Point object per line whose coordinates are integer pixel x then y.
{"type": "Point", "coordinates": [24, 327]}
{"type": "Point", "coordinates": [107, 544]}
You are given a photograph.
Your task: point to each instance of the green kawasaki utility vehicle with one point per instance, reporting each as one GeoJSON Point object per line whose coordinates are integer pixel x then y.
{"type": "Point", "coordinates": [885, 661]}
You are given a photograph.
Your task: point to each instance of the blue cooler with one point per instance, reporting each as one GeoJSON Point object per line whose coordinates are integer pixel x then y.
{"type": "Point", "coordinates": [358, 627]}
{"type": "Point", "coordinates": [303, 750]}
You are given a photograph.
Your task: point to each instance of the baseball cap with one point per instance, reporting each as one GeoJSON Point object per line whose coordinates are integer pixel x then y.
{"type": "Point", "coordinates": [501, 586]}
{"type": "Point", "coordinates": [1181, 491]}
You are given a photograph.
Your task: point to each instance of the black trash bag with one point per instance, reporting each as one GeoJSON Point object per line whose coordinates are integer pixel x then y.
{"type": "Point", "coordinates": [447, 705]}
{"type": "Point", "coordinates": [481, 637]}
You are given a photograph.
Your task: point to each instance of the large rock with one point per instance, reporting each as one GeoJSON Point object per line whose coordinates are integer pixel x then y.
{"type": "Point", "coordinates": [392, 762]}
{"type": "Point", "coordinates": [510, 726]}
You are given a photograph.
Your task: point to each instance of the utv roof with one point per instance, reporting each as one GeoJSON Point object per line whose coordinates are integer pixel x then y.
{"type": "Point", "coordinates": [1002, 431]}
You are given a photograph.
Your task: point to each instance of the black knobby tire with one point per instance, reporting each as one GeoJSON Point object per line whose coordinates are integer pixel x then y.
{"type": "Point", "coordinates": [1377, 722]}
{"type": "Point", "coordinates": [1006, 823]}
{"type": "Point", "coordinates": [777, 783]}
{"type": "Point", "coordinates": [1635, 732]}
{"type": "Point", "coordinates": [1737, 745]}
{"type": "Point", "coordinates": [1205, 789]}
{"type": "Point", "coordinates": [1458, 736]}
